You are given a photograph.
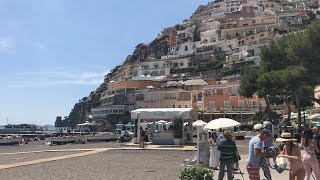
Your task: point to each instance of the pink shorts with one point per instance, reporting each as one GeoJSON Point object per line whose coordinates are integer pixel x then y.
{"type": "Point", "coordinates": [253, 172]}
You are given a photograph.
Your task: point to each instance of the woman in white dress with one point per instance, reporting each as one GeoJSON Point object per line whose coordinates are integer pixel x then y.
{"type": "Point", "coordinates": [214, 153]}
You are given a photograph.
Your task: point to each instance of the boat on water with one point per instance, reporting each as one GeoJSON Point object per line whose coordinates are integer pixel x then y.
{"type": "Point", "coordinates": [101, 137]}
{"type": "Point", "coordinates": [64, 139]}
{"type": "Point", "coordinates": [18, 128]}
{"type": "Point", "coordinates": [10, 140]}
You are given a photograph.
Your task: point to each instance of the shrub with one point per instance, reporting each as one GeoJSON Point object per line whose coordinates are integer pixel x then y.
{"type": "Point", "coordinates": [177, 127]}
{"type": "Point", "coordinates": [196, 173]}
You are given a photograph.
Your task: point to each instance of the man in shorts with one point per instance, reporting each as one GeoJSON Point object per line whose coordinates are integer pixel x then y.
{"type": "Point", "coordinates": [255, 154]}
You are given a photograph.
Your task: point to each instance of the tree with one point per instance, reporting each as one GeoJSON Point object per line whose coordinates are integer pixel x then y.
{"type": "Point", "coordinates": [292, 62]}
{"type": "Point", "coordinates": [312, 16]}
{"type": "Point", "coordinates": [58, 122]}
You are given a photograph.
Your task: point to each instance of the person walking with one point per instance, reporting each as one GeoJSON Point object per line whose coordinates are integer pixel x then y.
{"type": "Point", "coordinates": [264, 162]}
{"type": "Point", "coordinates": [228, 154]}
{"type": "Point", "coordinates": [214, 153]}
{"type": "Point", "coordinates": [255, 154]}
{"type": "Point", "coordinates": [309, 158]}
{"type": "Point", "coordinates": [292, 152]}
{"type": "Point", "coordinates": [316, 137]}
{"type": "Point", "coordinates": [142, 136]}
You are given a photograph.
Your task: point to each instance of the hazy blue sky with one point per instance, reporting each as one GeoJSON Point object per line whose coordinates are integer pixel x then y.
{"type": "Point", "coordinates": [53, 53]}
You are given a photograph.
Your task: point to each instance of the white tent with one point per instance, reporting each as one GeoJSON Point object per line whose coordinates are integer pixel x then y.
{"type": "Point", "coordinates": [154, 114]}
{"type": "Point", "coordinates": [164, 113]}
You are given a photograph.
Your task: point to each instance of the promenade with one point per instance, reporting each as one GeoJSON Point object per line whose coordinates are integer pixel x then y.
{"type": "Point", "coordinates": [103, 161]}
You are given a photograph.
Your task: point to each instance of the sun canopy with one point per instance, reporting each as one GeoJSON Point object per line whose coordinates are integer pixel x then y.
{"type": "Point", "coordinates": [164, 113]}
{"type": "Point", "coordinates": [222, 123]}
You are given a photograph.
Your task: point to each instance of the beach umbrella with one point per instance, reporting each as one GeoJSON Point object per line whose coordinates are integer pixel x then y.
{"type": "Point", "coordinates": [162, 121]}
{"type": "Point", "coordinates": [199, 123]}
{"type": "Point", "coordinates": [221, 123]}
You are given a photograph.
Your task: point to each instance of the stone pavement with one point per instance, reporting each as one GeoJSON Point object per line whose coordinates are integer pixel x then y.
{"type": "Point", "coordinates": [242, 164]}
{"type": "Point", "coordinates": [130, 146]}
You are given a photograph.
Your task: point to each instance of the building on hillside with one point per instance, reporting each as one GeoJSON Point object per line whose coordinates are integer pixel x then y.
{"type": "Point", "coordinates": [287, 19]}
{"type": "Point", "coordinates": [185, 35]}
{"type": "Point", "coordinates": [231, 5]}
{"type": "Point", "coordinates": [247, 27]}
{"type": "Point", "coordinates": [245, 54]}
{"type": "Point", "coordinates": [118, 101]}
{"type": "Point", "coordinates": [157, 98]}
{"type": "Point", "coordinates": [224, 99]}
{"type": "Point", "coordinates": [155, 68]}
{"type": "Point", "coordinates": [123, 73]}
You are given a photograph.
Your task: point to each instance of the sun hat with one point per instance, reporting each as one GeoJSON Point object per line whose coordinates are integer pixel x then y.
{"type": "Point", "coordinates": [257, 127]}
{"type": "Point", "coordinates": [285, 136]}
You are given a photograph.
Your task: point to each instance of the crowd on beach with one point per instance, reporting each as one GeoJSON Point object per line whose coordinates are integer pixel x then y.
{"type": "Point", "coordinates": [266, 152]}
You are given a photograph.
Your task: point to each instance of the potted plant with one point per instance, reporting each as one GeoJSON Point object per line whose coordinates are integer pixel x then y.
{"type": "Point", "coordinates": [177, 130]}
{"type": "Point", "coordinates": [134, 139]}
{"type": "Point", "coordinates": [196, 173]}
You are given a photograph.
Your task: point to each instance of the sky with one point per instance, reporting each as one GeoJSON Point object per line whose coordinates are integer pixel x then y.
{"type": "Point", "coordinates": [53, 53]}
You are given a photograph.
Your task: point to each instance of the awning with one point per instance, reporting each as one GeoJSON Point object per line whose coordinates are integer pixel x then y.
{"type": "Point", "coordinates": [164, 113]}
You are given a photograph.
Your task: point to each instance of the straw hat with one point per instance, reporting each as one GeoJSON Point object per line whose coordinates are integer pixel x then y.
{"type": "Point", "coordinates": [257, 127]}
{"type": "Point", "coordinates": [285, 136]}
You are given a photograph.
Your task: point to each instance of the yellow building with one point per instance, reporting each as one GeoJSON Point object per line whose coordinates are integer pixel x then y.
{"type": "Point", "coordinates": [163, 99]}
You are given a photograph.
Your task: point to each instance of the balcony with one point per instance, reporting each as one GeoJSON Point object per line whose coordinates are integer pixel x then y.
{"type": "Point", "coordinates": [169, 97]}
{"type": "Point", "coordinates": [184, 98]}
{"type": "Point", "coordinates": [212, 108]}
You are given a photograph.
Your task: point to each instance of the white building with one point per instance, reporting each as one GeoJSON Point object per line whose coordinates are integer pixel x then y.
{"type": "Point", "coordinates": [209, 36]}
{"type": "Point", "coordinates": [231, 5]}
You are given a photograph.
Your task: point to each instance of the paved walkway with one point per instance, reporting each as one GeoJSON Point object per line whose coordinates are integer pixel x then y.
{"type": "Point", "coordinates": [85, 152]}
{"type": "Point", "coordinates": [130, 146]}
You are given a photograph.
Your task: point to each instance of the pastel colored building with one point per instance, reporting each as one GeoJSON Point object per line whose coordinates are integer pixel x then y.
{"type": "Point", "coordinates": [157, 98]}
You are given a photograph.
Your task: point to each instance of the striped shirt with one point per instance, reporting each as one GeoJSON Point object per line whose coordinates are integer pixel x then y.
{"type": "Point", "coordinates": [227, 149]}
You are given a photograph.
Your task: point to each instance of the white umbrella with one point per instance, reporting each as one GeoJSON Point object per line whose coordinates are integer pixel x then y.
{"type": "Point", "coordinates": [162, 121]}
{"type": "Point", "coordinates": [221, 123]}
{"type": "Point", "coordinates": [199, 123]}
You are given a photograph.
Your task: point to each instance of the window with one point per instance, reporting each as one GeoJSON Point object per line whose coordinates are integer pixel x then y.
{"type": "Point", "coordinates": [225, 91]}
{"type": "Point", "coordinates": [212, 104]}
{"type": "Point", "coordinates": [185, 48]}
{"type": "Point", "coordinates": [181, 64]}
{"type": "Point", "coordinates": [252, 37]}
{"type": "Point", "coordinates": [240, 104]}
{"type": "Point", "coordinates": [173, 106]}
{"type": "Point", "coordinates": [226, 104]}
{"type": "Point", "coordinates": [234, 90]}
{"type": "Point", "coordinates": [263, 103]}
{"type": "Point", "coordinates": [179, 106]}
{"type": "Point", "coordinates": [186, 106]}
{"type": "Point", "coordinates": [254, 103]}
{"type": "Point", "coordinates": [209, 92]}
